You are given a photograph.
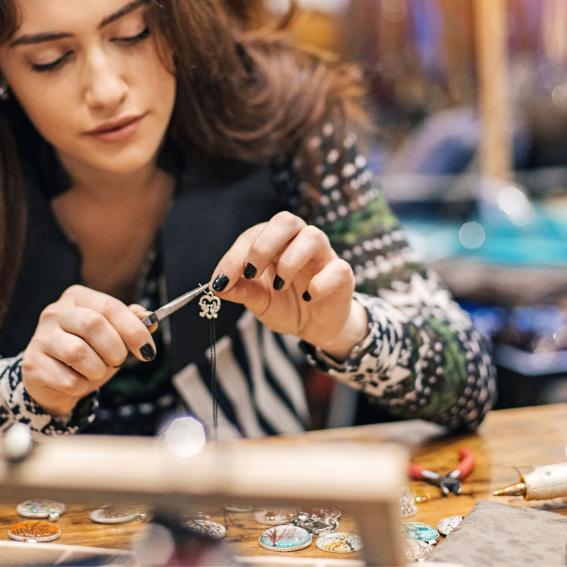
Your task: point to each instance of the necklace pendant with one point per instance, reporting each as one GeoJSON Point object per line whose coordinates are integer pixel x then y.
{"type": "Point", "coordinates": [210, 305]}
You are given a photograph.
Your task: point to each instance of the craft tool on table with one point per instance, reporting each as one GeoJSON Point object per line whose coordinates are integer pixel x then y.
{"type": "Point", "coordinates": [450, 482]}
{"type": "Point", "coordinates": [548, 481]}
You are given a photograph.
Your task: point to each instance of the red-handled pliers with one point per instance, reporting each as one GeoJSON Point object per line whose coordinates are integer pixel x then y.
{"type": "Point", "coordinates": [450, 482]}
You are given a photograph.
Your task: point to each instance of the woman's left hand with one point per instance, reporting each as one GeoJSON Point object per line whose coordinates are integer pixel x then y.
{"type": "Point", "coordinates": [287, 274]}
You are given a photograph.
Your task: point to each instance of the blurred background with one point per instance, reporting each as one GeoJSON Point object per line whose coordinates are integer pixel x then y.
{"type": "Point", "coordinates": [468, 100]}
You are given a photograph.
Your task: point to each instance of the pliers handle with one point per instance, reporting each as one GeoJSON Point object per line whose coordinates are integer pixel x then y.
{"type": "Point", "coordinates": [466, 464]}
{"type": "Point", "coordinates": [449, 482]}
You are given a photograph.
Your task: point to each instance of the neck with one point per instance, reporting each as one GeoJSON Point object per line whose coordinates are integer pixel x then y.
{"type": "Point", "coordinates": [109, 187]}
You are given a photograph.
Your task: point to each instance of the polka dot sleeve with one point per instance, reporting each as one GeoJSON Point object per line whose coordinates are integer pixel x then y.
{"type": "Point", "coordinates": [422, 357]}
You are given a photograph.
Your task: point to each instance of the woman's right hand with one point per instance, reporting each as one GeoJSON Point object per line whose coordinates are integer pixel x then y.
{"type": "Point", "coordinates": [79, 344]}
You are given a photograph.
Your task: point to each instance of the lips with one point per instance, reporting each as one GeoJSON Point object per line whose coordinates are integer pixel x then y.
{"type": "Point", "coordinates": [115, 125]}
{"type": "Point", "coordinates": [121, 131]}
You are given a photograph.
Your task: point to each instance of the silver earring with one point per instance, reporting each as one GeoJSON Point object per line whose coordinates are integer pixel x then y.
{"type": "Point", "coordinates": [4, 93]}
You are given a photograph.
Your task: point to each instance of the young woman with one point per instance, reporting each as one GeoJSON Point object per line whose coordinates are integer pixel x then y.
{"type": "Point", "coordinates": [150, 146]}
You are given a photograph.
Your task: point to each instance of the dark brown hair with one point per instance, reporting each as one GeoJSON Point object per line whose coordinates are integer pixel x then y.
{"type": "Point", "coordinates": [243, 92]}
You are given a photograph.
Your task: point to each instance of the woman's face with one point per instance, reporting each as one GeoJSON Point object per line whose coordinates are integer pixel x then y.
{"type": "Point", "coordinates": [88, 75]}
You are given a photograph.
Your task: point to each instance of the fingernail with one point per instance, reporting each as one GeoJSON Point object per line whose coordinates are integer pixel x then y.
{"type": "Point", "coordinates": [220, 282]}
{"type": "Point", "coordinates": [278, 283]}
{"type": "Point", "coordinates": [148, 352]}
{"type": "Point", "coordinates": [306, 296]}
{"type": "Point", "coordinates": [249, 271]}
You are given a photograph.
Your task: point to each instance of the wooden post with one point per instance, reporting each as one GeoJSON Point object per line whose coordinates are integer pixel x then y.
{"type": "Point", "coordinates": [364, 479]}
{"type": "Point", "coordinates": [494, 100]}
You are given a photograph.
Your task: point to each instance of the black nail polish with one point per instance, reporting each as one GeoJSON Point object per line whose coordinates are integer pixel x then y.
{"type": "Point", "coordinates": [306, 296]}
{"type": "Point", "coordinates": [148, 352]}
{"type": "Point", "coordinates": [278, 283]}
{"type": "Point", "coordinates": [249, 271]}
{"type": "Point", "coordinates": [220, 282]}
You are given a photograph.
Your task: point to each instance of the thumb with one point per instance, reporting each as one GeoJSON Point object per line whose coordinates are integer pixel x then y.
{"type": "Point", "coordinates": [250, 293]}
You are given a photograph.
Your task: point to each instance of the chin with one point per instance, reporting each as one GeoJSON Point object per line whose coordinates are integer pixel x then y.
{"type": "Point", "coordinates": [124, 161]}
{"type": "Point", "coordinates": [120, 167]}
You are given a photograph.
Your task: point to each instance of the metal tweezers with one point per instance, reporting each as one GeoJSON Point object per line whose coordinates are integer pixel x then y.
{"type": "Point", "coordinates": [171, 307]}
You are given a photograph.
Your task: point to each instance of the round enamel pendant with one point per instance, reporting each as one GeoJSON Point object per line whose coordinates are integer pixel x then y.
{"type": "Point", "coordinates": [240, 507]}
{"type": "Point", "coordinates": [34, 531]}
{"type": "Point", "coordinates": [324, 512]}
{"type": "Point", "coordinates": [272, 517]}
{"type": "Point", "coordinates": [116, 515]}
{"type": "Point", "coordinates": [421, 532]}
{"type": "Point", "coordinates": [285, 538]}
{"type": "Point", "coordinates": [40, 508]}
{"type": "Point", "coordinates": [417, 550]}
{"type": "Point", "coordinates": [339, 542]}
{"type": "Point", "coordinates": [207, 528]}
{"type": "Point", "coordinates": [449, 524]}
{"type": "Point", "coordinates": [196, 512]}
{"type": "Point", "coordinates": [314, 523]}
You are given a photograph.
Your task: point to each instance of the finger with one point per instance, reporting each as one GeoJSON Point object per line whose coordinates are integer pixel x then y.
{"type": "Point", "coordinates": [336, 278]}
{"type": "Point", "coordinates": [141, 312]}
{"type": "Point", "coordinates": [67, 381]}
{"type": "Point", "coordinates": [310, 247]}
{"type": "Point", "coordinates": [42, 373]}
{"type": "Point", "coordinates": [231, 265]}
{"type": "Point", "coordinates": [271, 242]}
{"type": "Point", "coordinates": [132, 331]}
{"type": "Point", "coordinates": [76, 353]}
{"type": "Point", "coordinates": [96, 330]}
{"type": "Point", "coordinates": [251, 294]}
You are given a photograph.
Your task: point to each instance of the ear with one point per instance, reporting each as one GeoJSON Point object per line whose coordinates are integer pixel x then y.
{"type": "Point", "coordinates": [4, 90]}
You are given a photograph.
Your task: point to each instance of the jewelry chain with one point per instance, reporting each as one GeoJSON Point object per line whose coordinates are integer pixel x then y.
{"type": "Point", "coordinates": [213, 365]}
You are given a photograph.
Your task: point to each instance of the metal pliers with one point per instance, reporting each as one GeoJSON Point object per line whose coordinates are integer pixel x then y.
{"type": "Point", "coordinates": [450, 482]}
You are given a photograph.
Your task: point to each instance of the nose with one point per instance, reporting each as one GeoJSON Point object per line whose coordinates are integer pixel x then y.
{"type": "Point", "coordinates": [105, 87]}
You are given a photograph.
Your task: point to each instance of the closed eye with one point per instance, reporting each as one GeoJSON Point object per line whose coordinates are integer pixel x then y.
{"type": "Point", "coordinates": [44, 67]}
{"type": "Point", "coordinates": [134, 38]}
{"type": "Point", "coordinates": [53, 65]}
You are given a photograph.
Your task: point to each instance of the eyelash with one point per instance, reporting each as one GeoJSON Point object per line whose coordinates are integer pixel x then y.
{"type": "Point", "coordinates": [128, 41]}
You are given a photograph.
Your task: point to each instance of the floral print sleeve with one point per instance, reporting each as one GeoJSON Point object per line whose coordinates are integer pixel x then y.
{"type": "Point", "coordinates": [422, 357]}
{"type": "Point", "coordinates": [18, 407]}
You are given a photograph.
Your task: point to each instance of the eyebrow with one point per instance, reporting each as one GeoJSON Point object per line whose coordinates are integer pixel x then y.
{"type": "Point", "coordinates": [43, 37]}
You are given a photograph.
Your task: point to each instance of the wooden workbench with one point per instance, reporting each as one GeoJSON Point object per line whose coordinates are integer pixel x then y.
{"type": "Point", "coordinates": [507, 439]}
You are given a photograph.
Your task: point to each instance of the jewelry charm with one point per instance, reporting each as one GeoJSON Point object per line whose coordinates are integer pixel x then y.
{"type": "Point", "coordinates": [316, 523]}
{"type": "Point", "coordinates": [421, 532]}
{"type": "Point", "coordinates": [206, 528]}
{"type": "Point", "coordinates": [116, 515]}
{"type": "Point", "coordinates": [40, 508]}
{"type": "Point", "coordinates": [449, 524]}
{"type": "Point", "coordinates": [325, 512]}
{"type": "Point", "coordinates": [272, 516]}
{"type": "Point", "coordinates": [196, 512]}
{"type": "Point", "coordinates": [339, 542]}
{"type": "Point", "coordinates": [417, 550]}
{"type": "Point", "coordinates": [236, 506]}
{"type": "Point", "coordinates": [285, 538]}
{"type": "Point", "coordinates": [408, 505]}
{"type": "Point", "coordinates": [34, 531]}
{"type": "Point", "coordinates": [210, 305]}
